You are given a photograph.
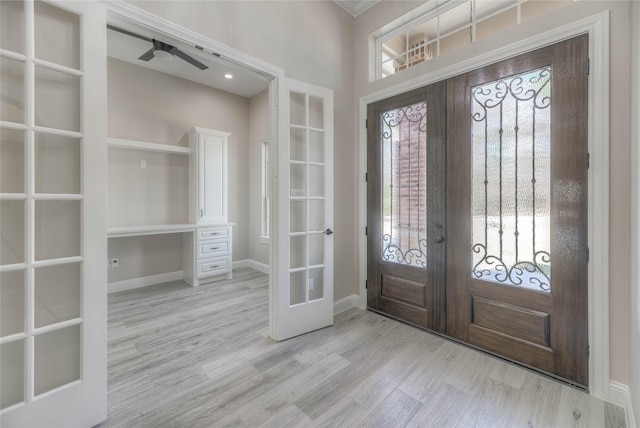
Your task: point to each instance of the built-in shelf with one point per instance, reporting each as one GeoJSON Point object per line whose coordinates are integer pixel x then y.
{"type": "Point", "coordinates": [150, 147]}
{"type": "Point", "coordinates": [158, 229]}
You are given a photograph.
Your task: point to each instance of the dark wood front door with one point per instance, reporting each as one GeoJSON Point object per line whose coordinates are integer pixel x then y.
{"type": "Point", "coordinates": [406, 196]}
{"type": "Point", "coordinates": [516, 215]}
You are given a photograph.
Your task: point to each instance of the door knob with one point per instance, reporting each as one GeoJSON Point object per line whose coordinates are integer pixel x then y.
{"type": "Point", "coordinates": [328, 231]}
{"type": "Point", "coordinates": [439, 239]}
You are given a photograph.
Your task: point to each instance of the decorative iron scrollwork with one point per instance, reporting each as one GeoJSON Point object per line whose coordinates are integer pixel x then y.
{"type": "Point", "coordinates": [493, 268]}
{"type": "Point", "coordinates": [412, 256]}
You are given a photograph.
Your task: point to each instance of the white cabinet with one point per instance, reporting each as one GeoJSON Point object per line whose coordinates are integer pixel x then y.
{"type": "Point", "coordinates": [208, 179]}
{"type": "Point", "coordinates": [213, 252]}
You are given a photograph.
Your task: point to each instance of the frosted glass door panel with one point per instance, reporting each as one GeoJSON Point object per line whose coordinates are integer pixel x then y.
{"type": "Point", "coordinates": [57, 35]}
{"type": "Point", "coordinates": [316, 181]}
{"type": "Point", "coordinates": [316, 117]}
{"type": "Point", "coordinates": [316, 249]}
{"type": "Point", "coordinates": [12, 89]}
{"type": "Point", "coordinates": [316, 214]}
{"type": "Point", "coordinates": [57, 100]}
{"type": "Point", "coordinates": [316, 276]}
{"type": "Point", "coordinates": [12, 166]}
{"type": "Point", "coordinates": [298, 216]}
{"type": "Point", "coordinates": [12, 373]}
{"type": "Point", "coordinates": [57, 294]}
{"type": "Point", "coordinates": [297, 286]}
{"type": "Point", "coordinates": [298, 109]}
{"type": "Point", "coordinates": [12, 26]}
{"type": "Point", "coordinates": [298, 144]}
{"type": "Point", "coordinates": [298, 251]}
{"type": "Point", "coordinates": [316, 146]}
{"type": "Point", "coordinates": [56, 229]}
{"type": "Point", "coordinates": [12, 232]}
{"type": "Point", "coordinates": [12, 302]}
{"type": "Point", "coordinates": [57, 164]}
{"type": "Point", "coordinates": [56, 358]}
{"type": "Point", "coordinates": [298, 180]}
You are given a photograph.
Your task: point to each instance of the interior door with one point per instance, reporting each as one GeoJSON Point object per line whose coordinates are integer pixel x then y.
{"type": "Point", "coordinates": [406, 206]}
{"type": "Point", "coordinates": [53, 227]}
{"type": "Point", "coordinates": [517, 195]}
{"type": "Point", "coordinates": [304, 286]}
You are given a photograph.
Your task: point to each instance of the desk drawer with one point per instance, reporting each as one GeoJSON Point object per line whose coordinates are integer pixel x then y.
{"type": "Point", "coordinates": [214, 248]}
{"type": "Point", "coordinates": [212, 267]}
{"type": "Point", "coordinates": [212, 233]}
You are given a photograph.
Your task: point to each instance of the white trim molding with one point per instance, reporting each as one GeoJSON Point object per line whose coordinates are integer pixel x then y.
{"type": "Point", "coordinates": [145, 281]}
{"type": "Point", "coordinates": [620, 395]}
{"type": "Point", "coordinates": [345, 304]}
{"type": "Point", "coordinates": [597, 27]}
{"type": "Point", "coordinates": [260, 267]}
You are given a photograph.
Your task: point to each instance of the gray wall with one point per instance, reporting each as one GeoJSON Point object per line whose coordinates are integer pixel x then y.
{"type": "Point", "coordinates": [138, 111]}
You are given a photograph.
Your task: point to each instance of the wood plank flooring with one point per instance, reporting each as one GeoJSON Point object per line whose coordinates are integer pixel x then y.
{"type": "Point", "coordinates": [201, 357]}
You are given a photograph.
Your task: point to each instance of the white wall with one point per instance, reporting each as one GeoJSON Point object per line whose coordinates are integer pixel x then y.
{"type": "Point", "coordinates": [313, 42]}
{"type": "Point", "coordinates": [137, 110]}
{"type": "Point", "coordinates": [258, 133]}
{"type": "Point", "coordinates": [620, 190]}
{"type": "Point", "coordinates": [634, 358]}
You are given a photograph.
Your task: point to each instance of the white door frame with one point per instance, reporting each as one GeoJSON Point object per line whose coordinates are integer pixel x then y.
{"type": "Point", "coordinates": [597, 27]}
{"type": "Point", "coordinates": [120, 9]}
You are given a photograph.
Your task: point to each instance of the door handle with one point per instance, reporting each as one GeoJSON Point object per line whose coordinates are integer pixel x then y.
{"type": "Point", "coordinates": [439, 239]}
{"type": "Point", "coordinates": [328, 231]}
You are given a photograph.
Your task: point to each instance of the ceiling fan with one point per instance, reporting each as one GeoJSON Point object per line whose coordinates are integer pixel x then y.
{"type": "Point", "coordinates": [160, 49]}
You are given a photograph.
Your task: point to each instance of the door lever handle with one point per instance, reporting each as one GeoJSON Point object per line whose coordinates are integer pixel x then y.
{"type": "Point", "coordinates": [439, 239]}
{"type": "Point", "coordinates": [328, 231]}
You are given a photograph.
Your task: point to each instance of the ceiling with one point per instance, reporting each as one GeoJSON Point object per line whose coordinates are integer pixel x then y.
{"type": "Point", "coordinates": [355, 7]}
{"type": "Point", "coordinates": [245, 82]}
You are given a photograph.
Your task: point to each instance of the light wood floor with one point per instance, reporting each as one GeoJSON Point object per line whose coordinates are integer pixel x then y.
{"type": "Point", "coordinates": [201, 357]}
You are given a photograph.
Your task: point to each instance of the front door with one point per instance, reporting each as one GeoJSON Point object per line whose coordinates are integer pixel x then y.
{"type": "Point", "coordinates": [516, 210]}
{"type": "Point", "coordinates": [406, 227]}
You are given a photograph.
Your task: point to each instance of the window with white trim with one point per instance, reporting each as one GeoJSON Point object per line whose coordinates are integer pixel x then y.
{"type": "Point", "coordinates": [264, 237]}
{"type": "Point", "coordinates": [443, 28]}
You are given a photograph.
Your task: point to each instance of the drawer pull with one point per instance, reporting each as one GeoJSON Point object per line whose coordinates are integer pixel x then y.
{"type": "Point", "coordinates": [216, 266]}
{"type": "Point", "coordinates": [214, 248]}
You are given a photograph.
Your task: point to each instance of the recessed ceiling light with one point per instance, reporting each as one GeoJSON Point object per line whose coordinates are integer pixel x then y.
{"type": "Point", "coordinates": [228, 76]}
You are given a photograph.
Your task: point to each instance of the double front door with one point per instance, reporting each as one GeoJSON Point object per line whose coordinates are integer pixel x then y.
{"type": "Point", "coordinates": [477, 201]}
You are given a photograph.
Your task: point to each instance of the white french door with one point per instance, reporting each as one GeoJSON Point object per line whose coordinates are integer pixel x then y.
{"type": "Point", "coordinates": [53, 217]}
{"type": "Point", "coordinates": [304, 286]}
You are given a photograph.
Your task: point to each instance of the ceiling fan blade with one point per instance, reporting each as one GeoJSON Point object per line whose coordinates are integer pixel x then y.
{"type": "Point", "coordinates": [128, 33]}
{"type": "Point", "coordinates": [177, 52]}
{"type": "Point", "coordinates": [147, 56]}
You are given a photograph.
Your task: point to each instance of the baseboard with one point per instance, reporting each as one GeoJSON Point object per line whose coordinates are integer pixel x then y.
{"type": "Point", "coordinates": [130, 284]}
{"type": "Point", "coordinates": [620, 394]}
{"type": "Point", "coordinates": [346, 303]}
{"type": "Point", "coordinates": [260, 267]}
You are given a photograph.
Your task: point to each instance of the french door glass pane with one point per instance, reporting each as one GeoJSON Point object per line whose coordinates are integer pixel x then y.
{"type": "Point", "coordinates": [511, 192]}
{"type": "Point", "coordinates": [404, 185]}
{"type": "Point", "coordinates": [297, 287]}
{"type": "Point", "coordinates": [12, 26]}
{"type": "Point", "coordinates": [56, 229]}
{"type": "Point", "coordinates": [57, 294]}
{"type": "Point", "coordinates": [57, 164]}
{"type": "Point", "coordinates": [57, 35]}
{"type": "Point", "coordinates": [56, 358]}
{"type": "Point", "coordinates": [57, 100]}
{"type": "Point", "coordinates": [12, 373]}
{"type": "Point", "coordinates": [316, 280]}
{"type": "Point", "coordinates": [12, 103]}
{"type": "Point", "coordinates": [12, 164]}
{"type": "Point", "coordinates": [12, 302]}
{"type": "Point", "coordinates": [12, 232]}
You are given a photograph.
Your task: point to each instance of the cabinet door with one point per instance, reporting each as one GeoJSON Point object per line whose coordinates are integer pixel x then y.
{"type": "Point", "coordinates": [212, 197]}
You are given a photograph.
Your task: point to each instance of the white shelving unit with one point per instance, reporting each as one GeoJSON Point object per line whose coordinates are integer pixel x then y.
{"type": "Point", "coordinates": [207, 239]}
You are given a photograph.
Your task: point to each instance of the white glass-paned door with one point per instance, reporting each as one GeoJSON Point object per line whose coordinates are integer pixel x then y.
{"type": "Point", "coordinates": [52, 213]}
{"type": "Point", "coordinates": [305, 193]}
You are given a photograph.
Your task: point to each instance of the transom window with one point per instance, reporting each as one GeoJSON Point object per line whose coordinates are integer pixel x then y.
{"type": "Point", "coordinates": [453, 24]}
